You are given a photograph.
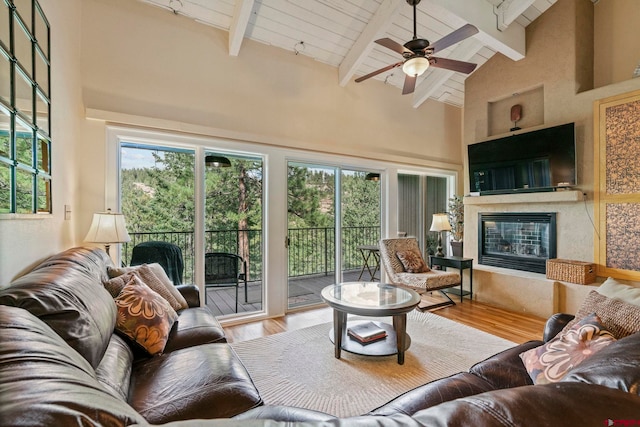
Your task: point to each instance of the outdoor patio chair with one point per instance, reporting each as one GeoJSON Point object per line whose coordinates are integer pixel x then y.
{"type": "Point", "coordinates": [422, 282]}
{"type": "Point", "coordinates": [168, 255]}
{"type": "Point", "coordinates": [223, 269]}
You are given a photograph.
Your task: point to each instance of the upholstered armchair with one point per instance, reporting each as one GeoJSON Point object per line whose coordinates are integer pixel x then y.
{"type": "Point", "coordinates": [404, 265]}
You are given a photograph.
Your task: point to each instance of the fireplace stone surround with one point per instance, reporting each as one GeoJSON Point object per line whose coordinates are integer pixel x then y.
{"type": "Point", "coordinates": [525, 291]}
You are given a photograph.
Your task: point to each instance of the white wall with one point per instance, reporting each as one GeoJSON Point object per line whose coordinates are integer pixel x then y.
{"type": "Point", "coordinates": [23, 239]}
{"type": "Point", "coordinates": [131, 63]}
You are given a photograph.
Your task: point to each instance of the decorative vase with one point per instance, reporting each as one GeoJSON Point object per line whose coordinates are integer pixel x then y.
{"type": "Point", "coordinates": [456, 248]}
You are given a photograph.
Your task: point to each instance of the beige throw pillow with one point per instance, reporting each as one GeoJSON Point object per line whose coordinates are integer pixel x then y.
{"type": "Point", "coordinates": [154, 276]}
{"type": "Point", "coordinates": [618, 317]}
{"type": "Point", "coordinates": [611, 288]}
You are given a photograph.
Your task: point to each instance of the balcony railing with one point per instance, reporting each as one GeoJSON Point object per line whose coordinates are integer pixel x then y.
{"type": "Point", "coordinates": [311, 250]}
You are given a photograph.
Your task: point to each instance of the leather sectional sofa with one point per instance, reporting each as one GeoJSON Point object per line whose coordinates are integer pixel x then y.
{"type": "Point", "coordinates": [62, 364]}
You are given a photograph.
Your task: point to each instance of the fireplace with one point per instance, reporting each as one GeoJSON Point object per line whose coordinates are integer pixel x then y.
{"type": "Point", "coordinates": [520, 241]}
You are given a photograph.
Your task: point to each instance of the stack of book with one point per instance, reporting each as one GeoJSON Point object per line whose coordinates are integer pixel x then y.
{"type": "Point", "coordinates": [366, 333]}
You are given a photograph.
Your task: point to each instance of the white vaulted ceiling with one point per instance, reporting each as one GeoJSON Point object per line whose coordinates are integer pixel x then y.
{"type": "Point", "coordinates": [341, 33]}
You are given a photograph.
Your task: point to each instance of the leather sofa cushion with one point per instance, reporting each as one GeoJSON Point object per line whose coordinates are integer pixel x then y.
{"type": "Point", "coordinates": [194, 326]}
{"type": "Point", "coordinates": [616, 366]}
{"type": "Point", "coordinates": [505, 369]}
{"type": "Point", "coordinates": [283, 413]}
{"type": "Point", "coordinates": [559, 404]}
{"type": "Point", "coordinates": [207, 381]}
{"type": "Point", "coordinates": [433, 393]}
{"type": "Point", "coordinates": [66, 292]}
{"type": "Point", "coordinates": [114, 371]}
{"type": "Point", "coordinates": [45, 382]}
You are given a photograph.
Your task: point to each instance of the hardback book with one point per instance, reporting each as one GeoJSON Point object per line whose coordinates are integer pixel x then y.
{"type": "Point", "coordinates": [366, 332]}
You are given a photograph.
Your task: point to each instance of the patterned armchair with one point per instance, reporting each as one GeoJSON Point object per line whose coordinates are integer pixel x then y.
{"type": "Point", "coordinates": [391, 252]}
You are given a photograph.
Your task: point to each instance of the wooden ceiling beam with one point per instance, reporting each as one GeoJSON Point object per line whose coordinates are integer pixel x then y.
{"type": "Point", "coordinates": [374, 30]}
{"type": "Point", "coordinates": [239, 24]}
{"type": "Point", "coordinates": [510, 42]}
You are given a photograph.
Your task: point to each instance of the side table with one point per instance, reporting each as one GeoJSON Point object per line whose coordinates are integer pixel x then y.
{"type": "Point", "coordinates": [461, 264]}
{"type": "Point", "coordinates": [371, 259]}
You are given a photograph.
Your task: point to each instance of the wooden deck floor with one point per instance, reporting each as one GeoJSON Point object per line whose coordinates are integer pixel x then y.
{"type": "Point", "coordinates": [303, 291]}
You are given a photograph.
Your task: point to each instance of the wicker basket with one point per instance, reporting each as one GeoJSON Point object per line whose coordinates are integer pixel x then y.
{"type": "Point", "coordinates": [566, 270]}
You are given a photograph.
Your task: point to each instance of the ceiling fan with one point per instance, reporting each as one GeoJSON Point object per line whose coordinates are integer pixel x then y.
{"type": "Point", "coordinates": [418, 54]}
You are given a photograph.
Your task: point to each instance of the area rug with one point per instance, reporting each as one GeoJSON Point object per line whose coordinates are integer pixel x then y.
{"type": "Point", "coordinates": [298, 368]}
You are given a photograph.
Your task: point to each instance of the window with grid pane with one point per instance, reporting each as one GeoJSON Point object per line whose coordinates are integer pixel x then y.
{"type": "Point", "coordinates": [25, 108]}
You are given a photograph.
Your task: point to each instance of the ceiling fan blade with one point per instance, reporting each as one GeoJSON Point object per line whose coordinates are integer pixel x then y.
{"type": "Point", "coordinates": [375, 73]}
{"type": "Point", "coordinates": [453, 65]}
{"type": "Point", "coordinates": [409, 84]}
{"type": "Point", "coordinates": [393, 45]}
{"type": "Point", "coordinates": [454, 37]}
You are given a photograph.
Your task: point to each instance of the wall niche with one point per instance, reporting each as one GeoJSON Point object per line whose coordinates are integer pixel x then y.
{"type": "Point", "coordinates": [499, 111]}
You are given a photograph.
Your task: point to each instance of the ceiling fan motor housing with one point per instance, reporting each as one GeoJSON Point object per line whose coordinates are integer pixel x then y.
{"type": "Point", "coordinates": [418, 47]}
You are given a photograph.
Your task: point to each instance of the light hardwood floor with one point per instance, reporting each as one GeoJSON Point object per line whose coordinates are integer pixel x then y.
{"type": "Point", "coordinates": [516, 327]}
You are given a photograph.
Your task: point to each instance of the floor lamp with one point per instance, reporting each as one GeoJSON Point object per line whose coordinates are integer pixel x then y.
{"type": "Point", "coordinates": [107, 228]}
{"type": "Point", "coordinates": [440, 223]}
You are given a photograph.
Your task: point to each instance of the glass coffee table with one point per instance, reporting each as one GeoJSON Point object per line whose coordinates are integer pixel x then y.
{"type": "Point", "coordinates": [371, 299]}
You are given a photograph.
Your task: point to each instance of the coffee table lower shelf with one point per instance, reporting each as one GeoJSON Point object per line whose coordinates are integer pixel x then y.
{"type": "Point", "coordinates": [384, 347]}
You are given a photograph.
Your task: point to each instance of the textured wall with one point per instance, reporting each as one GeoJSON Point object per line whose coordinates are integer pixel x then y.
{"type": "Point", "coordinates": [555, 61]}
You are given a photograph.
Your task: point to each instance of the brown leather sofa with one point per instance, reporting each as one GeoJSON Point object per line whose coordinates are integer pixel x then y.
{"type": "Point", "coordinates": [61, 364]}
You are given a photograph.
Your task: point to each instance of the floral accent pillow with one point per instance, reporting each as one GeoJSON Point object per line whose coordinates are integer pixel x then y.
{"type": "Point", "coordinates": [550, 362]}
{"type": "Point", "coordinates": [144, 316]}
{"type": "Point", "coordinates": [412, 261]}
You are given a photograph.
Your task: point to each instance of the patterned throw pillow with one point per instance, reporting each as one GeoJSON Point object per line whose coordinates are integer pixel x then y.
{"type": "Point", "coordinates": [154, 276]}
{"type": "Point", "coordinates": [620, 318]}
{"type": "Point", "coordinates": [412, 261]}
{"type": "Point", "coordinates": [144, 316]}
{"type": "Point", "coordinates": [550, 362]}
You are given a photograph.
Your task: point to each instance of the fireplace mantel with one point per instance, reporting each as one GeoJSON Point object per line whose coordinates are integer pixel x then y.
{"type": "Point", "coordinates": [545, 197]}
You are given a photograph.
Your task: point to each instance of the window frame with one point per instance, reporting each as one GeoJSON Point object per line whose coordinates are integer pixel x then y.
{"type": "Point", "coordinates": [25, 111]}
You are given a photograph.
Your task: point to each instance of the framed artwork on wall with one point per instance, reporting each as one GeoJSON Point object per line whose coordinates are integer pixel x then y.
{"type": "Point", "coordinates": [617, 185]}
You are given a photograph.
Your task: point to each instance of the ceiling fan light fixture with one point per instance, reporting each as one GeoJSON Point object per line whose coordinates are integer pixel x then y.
{"type": "Point", "coordinates": [415, 66]}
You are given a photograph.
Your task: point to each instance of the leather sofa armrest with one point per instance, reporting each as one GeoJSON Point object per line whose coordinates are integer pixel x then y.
{"type": "Point", "coordinates": [555, 324]}
{"type": "Point", "coordinates": [190, 293]}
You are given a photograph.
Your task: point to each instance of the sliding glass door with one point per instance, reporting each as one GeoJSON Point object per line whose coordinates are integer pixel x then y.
{"type": "Point", "coordinates": [157, 194]}
{"type": "Point", "coordinates": [233, 230]}
{"type": "Point", "coordinates": [333, 228]}
{"type": "Point", "coordinates": [158, 198]}
{"type": "Point", "coordinates": [311, 222]}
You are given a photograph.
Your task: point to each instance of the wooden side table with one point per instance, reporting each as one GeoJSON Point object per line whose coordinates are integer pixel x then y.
{"type": "Point", "coordinates": [461, 264]}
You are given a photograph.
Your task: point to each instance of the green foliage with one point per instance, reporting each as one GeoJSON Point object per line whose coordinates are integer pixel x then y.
{"type": "Point", "coordinates": [310, 197]}
{"type": "Point", "coordinates": [360, 201]}
{"type": "Point", "coordinates": [161, 198]}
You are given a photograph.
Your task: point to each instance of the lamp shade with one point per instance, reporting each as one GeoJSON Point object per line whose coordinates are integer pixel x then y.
{"type": "Point", "coordinates": [440, 223]}
{"type": "Point", "coordinates": [108, 227]}
{"type": "Point", "coordinates": [217, 161]}
{"type": "Point", "coordinates": [415, 66]}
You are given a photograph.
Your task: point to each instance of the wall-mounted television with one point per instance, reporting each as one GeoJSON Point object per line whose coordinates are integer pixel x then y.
{"type": "Point", "coordinates": [541, 160]}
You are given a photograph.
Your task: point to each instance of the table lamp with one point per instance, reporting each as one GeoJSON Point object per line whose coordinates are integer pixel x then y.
{"type": "Point", "coordinates": [440, 223]}
{"type": "Point", "coordinates": [108, 227]}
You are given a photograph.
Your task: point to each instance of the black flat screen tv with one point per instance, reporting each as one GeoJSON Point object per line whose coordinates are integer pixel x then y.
{"type": "Point", "coordinates": [541, 160]}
